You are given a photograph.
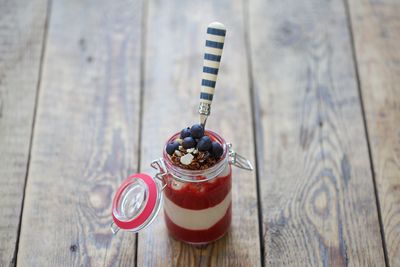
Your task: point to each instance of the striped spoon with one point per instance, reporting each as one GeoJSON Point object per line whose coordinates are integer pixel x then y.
{"type": "Point", "coordinates": [212, 56]}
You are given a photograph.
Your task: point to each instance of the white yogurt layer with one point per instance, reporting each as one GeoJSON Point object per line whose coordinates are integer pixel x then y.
{"type": "Point", "coordinates": [197, 219]}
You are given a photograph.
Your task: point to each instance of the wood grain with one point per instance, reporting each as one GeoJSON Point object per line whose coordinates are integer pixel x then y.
{"type": "Point", "coordinates": [318, 201]}
{"type": "Point", "coordinates": [22, 26]}
{"type": "Point", "coordinates": [174, 53]}
{"type": "Point", "coordinates": [86, 136]}
{"type": "Point", "coordinates": [376, 31]}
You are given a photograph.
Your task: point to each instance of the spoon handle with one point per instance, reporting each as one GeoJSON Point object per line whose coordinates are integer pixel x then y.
{"type": "Point", "coordinates": [212, 56]}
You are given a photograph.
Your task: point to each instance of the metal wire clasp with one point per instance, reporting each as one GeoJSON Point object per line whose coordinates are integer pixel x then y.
{"type": "Point", "coordinates": [159, 165]}
{"type": "Point", "coordinates": [238, 160]}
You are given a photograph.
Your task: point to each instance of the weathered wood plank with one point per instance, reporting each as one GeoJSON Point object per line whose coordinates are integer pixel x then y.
{"type": "Point", "coordinates": [174, 52]}
{"type": "Point", "coordinates": [86, 135]}
{"type": "Point", "coordinates": [376, 31]}
{"type": "Point", "coordinates": [317, 190]}
{"type": "Point", "coordinates": [22, 26]}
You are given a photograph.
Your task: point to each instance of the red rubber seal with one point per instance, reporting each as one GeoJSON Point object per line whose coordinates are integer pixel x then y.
{"type": "Point", "coordinates": [139, 220]}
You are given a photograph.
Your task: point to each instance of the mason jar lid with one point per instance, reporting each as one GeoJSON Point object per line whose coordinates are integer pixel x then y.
{"type": "Point", "coordinates": [136, 203]}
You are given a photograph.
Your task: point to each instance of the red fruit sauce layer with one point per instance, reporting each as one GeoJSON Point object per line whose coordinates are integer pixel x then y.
{"type": "Point", "coordinates": [198, 196]}
{"type": "Point", "coordinates": [200, 236]}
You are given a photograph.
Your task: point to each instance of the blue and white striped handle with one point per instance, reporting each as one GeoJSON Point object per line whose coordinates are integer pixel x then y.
{"type": "Point", "coordinates": [212, 56]}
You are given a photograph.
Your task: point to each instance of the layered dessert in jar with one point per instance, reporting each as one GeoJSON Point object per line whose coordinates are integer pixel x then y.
{"type": "Point", "coordinates": [193, 177]}
{"type": "Point", "coordinates": [197, 192]}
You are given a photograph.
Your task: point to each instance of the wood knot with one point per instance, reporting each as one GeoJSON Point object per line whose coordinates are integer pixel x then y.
{"type": "Point", "coordinates": [288, 33]}
{"type": "Point", "coordinates": [73, 248]}
{"type": "Point", "coordinates": [320, 202]}
{"type": "Point", "coordinates": [320, 199]}
{"type": "Point", "coordinates": [395, 189]}
{"type": "Point", "coordinates": [100, 196]}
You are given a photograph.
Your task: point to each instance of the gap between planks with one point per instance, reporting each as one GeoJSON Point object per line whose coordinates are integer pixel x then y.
{"type": "Point", "coordinates": [376, 193]}
{"type": "Point", "coordinates": [257, 137]}
{"type": "Point", "coordinates": [143, 42]}
{"type": "Point", "coordinates": [43, 50]}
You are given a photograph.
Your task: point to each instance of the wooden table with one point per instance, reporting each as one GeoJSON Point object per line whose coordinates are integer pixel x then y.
{"type": "Point", "coordinates": [308, 90]}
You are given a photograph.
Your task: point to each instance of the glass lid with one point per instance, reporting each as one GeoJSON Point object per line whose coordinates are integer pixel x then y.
{"type": "Point", "coordinates": [136, 203]}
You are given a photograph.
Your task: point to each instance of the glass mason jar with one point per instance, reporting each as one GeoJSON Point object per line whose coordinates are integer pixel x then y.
{"type": "Point", "coordinates": [197, 203]}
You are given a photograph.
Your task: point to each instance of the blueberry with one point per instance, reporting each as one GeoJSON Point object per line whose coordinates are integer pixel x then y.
{"type": "Point", "coordinates": [197, 131]}
{"type": "Point", "coordinates": [188, 142]}
{"type": "Point", "coordinates": [171, 147]}
{"type": "Point", "coordinates": [217, 150]}
{"type": "Point", "coordinates": [204, 143]}
{"type": "Point", "coordinates": [185, 133]}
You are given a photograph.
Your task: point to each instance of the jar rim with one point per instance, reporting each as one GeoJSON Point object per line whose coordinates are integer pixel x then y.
{"type": "Point", "coordinates": [191, 176]}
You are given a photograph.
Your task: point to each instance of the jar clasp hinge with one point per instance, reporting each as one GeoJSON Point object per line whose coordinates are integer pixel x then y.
{"type": "Point", "coordinates": [238, 160]}
{"type": "Point", "coordinates": [159, 165]}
